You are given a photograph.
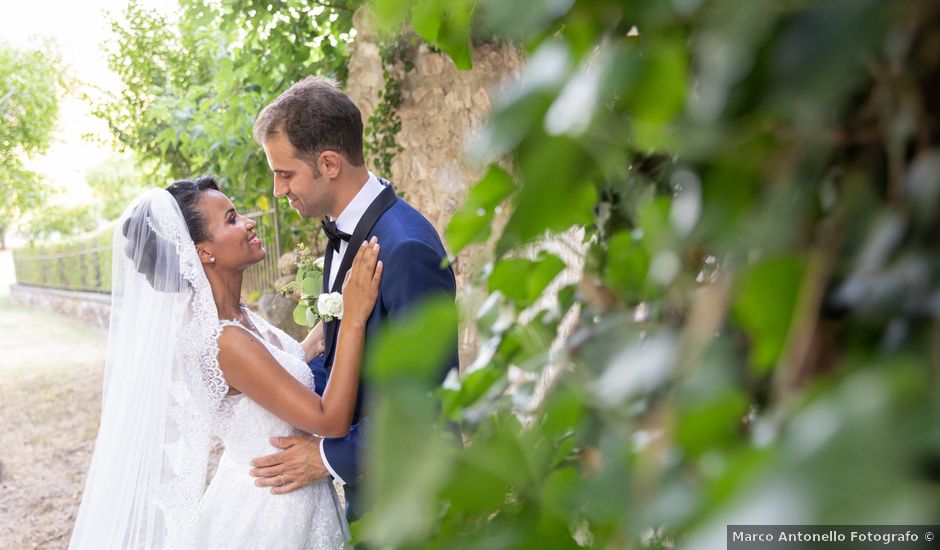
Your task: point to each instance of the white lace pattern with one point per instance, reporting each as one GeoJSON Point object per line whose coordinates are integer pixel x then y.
{"type": "Point", "coordinates": [164, 396]}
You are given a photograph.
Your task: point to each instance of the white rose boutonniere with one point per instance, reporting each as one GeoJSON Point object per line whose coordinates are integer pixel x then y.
{"type": "Point", "coordinates": [330, 306]}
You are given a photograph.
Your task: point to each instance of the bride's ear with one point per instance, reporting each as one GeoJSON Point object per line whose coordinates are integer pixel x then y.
{"type": "Point", "coordinates": [204, 256]}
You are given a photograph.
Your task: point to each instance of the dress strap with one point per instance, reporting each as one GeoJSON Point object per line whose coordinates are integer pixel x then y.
{"type": "Point", "coordinates": [230, 323]}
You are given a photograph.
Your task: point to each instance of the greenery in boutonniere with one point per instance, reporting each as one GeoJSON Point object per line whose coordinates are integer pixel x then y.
{"type": "Point", "coordinates": [308, 284]}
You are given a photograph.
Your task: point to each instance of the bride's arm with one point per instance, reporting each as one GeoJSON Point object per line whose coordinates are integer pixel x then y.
{"type": "Point", "coordinates": [252, 370]}
{"type": "Point", "coordinates": [312, 344]}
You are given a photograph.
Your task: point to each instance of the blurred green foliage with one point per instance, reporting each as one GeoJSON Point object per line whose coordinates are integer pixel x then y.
{"type": "Point", "coordinates": [750, 335]}
{"type": "Point", "coordinates": [192, 85]}
{"type": "Point", "coordinates": [56, 221]}
{"type": "Point", "coordinates": [115, 183]}
{"type": "Point", "coordinates": [751, 332]}
{"type": "Point", "coordinates": [30, 83]}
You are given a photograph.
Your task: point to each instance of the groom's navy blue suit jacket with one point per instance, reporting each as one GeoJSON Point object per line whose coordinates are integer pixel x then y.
{"type": "Point", "coordinates": [411, 252]}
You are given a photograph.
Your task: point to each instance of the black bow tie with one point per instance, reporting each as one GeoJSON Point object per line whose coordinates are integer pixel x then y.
{"type": "Point", "coordinates": [334, 234]}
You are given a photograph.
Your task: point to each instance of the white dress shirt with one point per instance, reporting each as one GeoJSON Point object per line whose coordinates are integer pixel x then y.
{"type": "Point", "coordinates": [349, 219]}
{"type": "Point", "coordinates": [347, 222]}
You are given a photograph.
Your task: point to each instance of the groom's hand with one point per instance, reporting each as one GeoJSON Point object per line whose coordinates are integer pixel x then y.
{"type": "Point", "coordinates": [299, 464]}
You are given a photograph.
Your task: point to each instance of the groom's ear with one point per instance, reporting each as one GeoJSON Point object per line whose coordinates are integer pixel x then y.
{"type": "Point", "coordinates": [331, 163]}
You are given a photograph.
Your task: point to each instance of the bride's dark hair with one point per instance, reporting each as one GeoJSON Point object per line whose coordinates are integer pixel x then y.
{"type": "Point", "coordinates": [142, 246]}
{"type": "Point", "coordinates": [187, 195]}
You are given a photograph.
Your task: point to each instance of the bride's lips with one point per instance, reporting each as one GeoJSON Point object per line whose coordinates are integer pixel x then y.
{"type": "Point", "coordinates": [254, 241]}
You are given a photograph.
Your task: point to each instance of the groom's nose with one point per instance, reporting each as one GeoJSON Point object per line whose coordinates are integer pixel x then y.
{"type": "Point", "coordinates": [280, 188]}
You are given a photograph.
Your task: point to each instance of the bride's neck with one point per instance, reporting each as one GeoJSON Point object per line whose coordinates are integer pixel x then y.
{"type": "Point", "coordinates": [226, 291]}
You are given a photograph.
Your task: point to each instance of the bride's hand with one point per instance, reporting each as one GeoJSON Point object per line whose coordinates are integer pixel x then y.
{"type": "Point", "coordinates": [313, 343]}
{"type": "Point", "coordinates": [361, 286]}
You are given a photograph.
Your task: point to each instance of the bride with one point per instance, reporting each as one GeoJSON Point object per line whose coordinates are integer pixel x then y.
{"type": "Point", "coordinates": [185, 361]}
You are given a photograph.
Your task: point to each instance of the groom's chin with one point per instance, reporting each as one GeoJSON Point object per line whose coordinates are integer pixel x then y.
{"type": "Point", "coordinates": [307, 214]}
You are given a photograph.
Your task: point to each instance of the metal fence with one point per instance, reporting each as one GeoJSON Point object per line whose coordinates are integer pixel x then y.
{"type": "Point", "coordinates": [260, 277]}
{"type": "Point", "coordinates": [86, 270]}
{"type": "Point", "coordinates": [84, 264]}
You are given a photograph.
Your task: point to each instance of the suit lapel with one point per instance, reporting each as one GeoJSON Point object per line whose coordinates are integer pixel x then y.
{"type": "Point", "coordinates": [383, 202]}
{"type": "Point", "coordinates": [379, 206]}
{"type": "Point", "coordinates": [327, 263]}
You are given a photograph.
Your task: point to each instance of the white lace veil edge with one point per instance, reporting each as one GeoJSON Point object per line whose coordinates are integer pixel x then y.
{"type": "Point", "coordinates": [162, 387]}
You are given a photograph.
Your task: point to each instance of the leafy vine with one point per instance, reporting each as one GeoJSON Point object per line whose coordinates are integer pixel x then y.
{"type": "Point", "coordinates": [384, 124]}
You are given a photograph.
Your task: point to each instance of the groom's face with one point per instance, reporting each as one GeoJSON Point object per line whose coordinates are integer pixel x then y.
{"type": "Point", "coordinates": [306, 190]}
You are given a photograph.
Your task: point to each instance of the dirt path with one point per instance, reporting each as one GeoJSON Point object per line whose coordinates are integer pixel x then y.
{"type": "Point", "coordinates": [50, 391]}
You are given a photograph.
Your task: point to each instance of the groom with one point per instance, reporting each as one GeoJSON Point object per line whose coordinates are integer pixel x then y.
{"type": "Point", "coordinates": [312, 138]}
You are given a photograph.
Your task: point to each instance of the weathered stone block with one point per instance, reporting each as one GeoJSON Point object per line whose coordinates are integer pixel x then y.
{"type": "Point", "coordinates": [287, 263]}
{"type": "Point", "coordinates": [430, 63]}
{"type": "Point", "coordinates": [279, 311]}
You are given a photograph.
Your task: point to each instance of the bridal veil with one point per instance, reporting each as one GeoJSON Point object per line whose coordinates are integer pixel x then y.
{"type": "Point", "coordinates": [162, 388]}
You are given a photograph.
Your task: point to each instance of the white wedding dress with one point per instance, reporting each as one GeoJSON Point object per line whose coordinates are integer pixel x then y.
{"type": "Point", "coordinates": [237, 514]}
{"type": "Point", "coordinates": [164, 396]}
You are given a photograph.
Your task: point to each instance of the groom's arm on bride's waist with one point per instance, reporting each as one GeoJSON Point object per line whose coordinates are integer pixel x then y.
{"type": "Point", "coordinates": [412, 275]}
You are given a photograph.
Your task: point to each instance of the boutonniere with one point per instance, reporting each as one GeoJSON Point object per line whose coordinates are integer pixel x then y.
{"type": "Point", "coordinates": [330, 306]}
{"type": "Point", "coordinates": [313, 304]}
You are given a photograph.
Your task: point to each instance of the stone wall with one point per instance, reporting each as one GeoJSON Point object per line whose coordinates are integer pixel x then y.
{"type": "Point", "coordinates": [91, 308]}
{"type": "Point", "coordinates": [441, 107]}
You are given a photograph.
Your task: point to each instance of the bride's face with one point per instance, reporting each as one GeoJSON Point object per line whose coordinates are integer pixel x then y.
{"type": "Point", "coordinates": [232, 240]}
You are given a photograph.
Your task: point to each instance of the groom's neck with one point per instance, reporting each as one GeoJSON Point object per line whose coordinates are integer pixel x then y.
{"type": "Point", "coordinates": [347, 186]}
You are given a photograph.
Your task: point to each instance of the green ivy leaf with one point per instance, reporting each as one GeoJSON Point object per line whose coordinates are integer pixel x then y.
{"type": "Point", "coordinates": [426, 19]}
{"type": "Point", "coordinates": [559, 490]}
{"type": "Point", "coordinates": [447, 25]}
{"type": "Point", "coordinates": [653, 221]}
{"type": "Point", "coordinates": [627, 265]}
{"type": "Point", "coordinates": [658, 92]}
{"type": "Point", "coordinates": [455, 40]}
{"type": "Point", "coordinates": [488, 468]}
{"type": "Point", "coordinates": [471, 223]}
{"type": "Point", "coordinates": [300, 314]}
{"type": "Point", "coordinates": [708, 425]}
{"type": "Point", "coordinates": [431, 328]}
{"type": "Point", "coordinates": [555, 193]}
{"type": "Point", "coordinates": [562, 413]}
{"type": "Point", "coordinates": [476, 383]}
{"type": "Point", "coordinates": [659, 89]}
{"type": "Point", "coordinates": [524, 280]}
{"type": "Point", "coordinates": [765, 304]}
{"type": "Point", "coordinates": [404, 434]}
{"type": "Point", "coordinates": [312, 284]}
{"type": "Point", "coordinates": [390, 14]}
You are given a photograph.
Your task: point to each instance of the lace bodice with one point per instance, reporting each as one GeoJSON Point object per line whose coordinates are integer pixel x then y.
{"type": "Point", "coordinates": [165, 395]}
{"type": "Point", "coordinates": [235, 513]}
{"type": "Point", "coordinates": [243, 425]}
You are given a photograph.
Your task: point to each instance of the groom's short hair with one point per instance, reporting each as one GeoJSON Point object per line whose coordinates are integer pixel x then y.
{"type": "Point", "coordinates": [315, 116]}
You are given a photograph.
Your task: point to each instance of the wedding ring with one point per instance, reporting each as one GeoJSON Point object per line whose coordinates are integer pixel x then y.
{"type": "Point", "coordinates": [282, 479]}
